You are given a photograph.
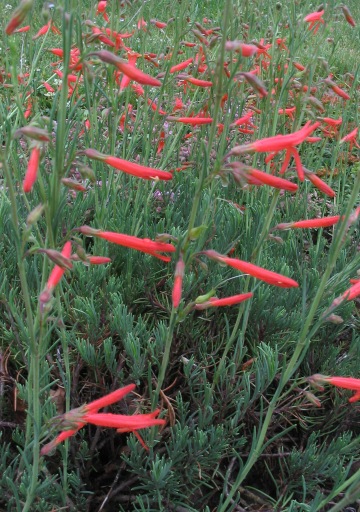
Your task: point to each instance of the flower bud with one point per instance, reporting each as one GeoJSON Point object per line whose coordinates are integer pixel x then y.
{"type": "Point", "coordinates": [204, 298]}
{"type": "Point", "coordinates": [18, 16]}
{"type": "Point", "coordinates": [312, 398]}
{"type": "Point", "coordinates": [33, 132]}
{"type": "Point", "coordinates": [58, 258]}
{"type": "Point", "coordinates": [34, 215]}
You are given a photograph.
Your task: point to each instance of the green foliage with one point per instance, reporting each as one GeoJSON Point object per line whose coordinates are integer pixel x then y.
{"type": "Point", "coordinates": [242, 426]}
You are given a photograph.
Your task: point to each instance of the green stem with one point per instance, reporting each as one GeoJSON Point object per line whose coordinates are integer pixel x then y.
{"type": "Point", "coordinates": [265, 229]}
{"type": "Point", "coordinates": [166, 356]}
{"type": "Point", "coordinates": [59, 162]}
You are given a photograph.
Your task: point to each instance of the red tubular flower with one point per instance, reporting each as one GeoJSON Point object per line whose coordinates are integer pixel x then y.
{"type": "Point", "coordinates": [181, 65]}
{"type": "Point", "coordinates": [132, 58]}
{"type": "Point", "coordinates": [255, 83]}
{"type": "Point", "coordinates": [246, 50]}
{"type": "Point", "coordinates": [310, 223]}
{"type": "Point", "coordinates": [279, 143]}
{"type": "Point", "coordinates": [315, 19]}
{"type": "Point", "coordinates": [332, 122]}
{"type": "Point", "coordinates": [140, 171]}
{"type": "Point", "coordinates": [242, 173]}
{"type": "Point", "coordinates": [193, 121]}
{"type": "Point", "coordinates": [298, 66]}
{"type": "Point", "coordinates": [109, 399]}
{"type": "Point", "coordinates": [32, 170]}
{"type": "Point", "coordinates": [99, 260]}
{"type": "Point", "coordinates": [340, 382]}
{"type": "Point", "coordinates": [349, 294]}
{"type": "Point", "coordinates": [351, 137]}
{"type": "Point", "coordinates": [352, 292]}
{"type": "Point", "coordinates": [273, 181]}
{"type": "Point", "coordinates": [77, 418]}
{"type": "Point", "coordinates": [253, 270]}
{"type": "Point", "coordinates": [122, 422]}
{"type": "Point", "coordinates": [131, 71]}
{"type": "Point", "coordinates": [159, 24]}
{"type": "Point", "coordinates": [197, 82]}
{"type": "Point", "coordinates": [348, 16]}
{"type": "Point", "coordinates": [226, 301]}
{"type": "Point", "coordinates": [55, 276]}
{"type": "Point", "coordinates": [314, 16]}
{"type": "Point", "coordinates": [58, 271]}
{"type": "Point", "coordinates": [139, 244]}
{"type": "Point", "coordinates": [22, 29]}
{"type": "Point", "coordinates": [337, 90]}
{"type": "Point", "coordinates": [244, 120]}
{"type": "Point", "coordinates": [177, 288]}
{"type": "Point", "coordinates": [42, 31]}
{"type": "Point", "coordinates": [101, 9]}
{"type": "Point", "coordinates": [288, 111]}
{"type": "Point", "coordinates": [318, 183]}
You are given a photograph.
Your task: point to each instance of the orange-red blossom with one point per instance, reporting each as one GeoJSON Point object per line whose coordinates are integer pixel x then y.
{"type": "Point", "coordinates": [55, 275]}
{"type": "Point", "coordinates": [340, 382]}
{"type": "Point", "coordinates": [178, 280]}
{"type": "Point", "coordinates": [320, 222]}
{"type": "Point", "coordinates": [131, 71]}
{"type": "Point", "coordinates": [226, 301]}
{"type": "Point", "coordinates": [243, 173]}
{"type": "Point", "coordinates": [351, 137]}
{"type": "Point", "coordinates": [319, 183]}
{"type": "Point", "coordinates": [315, 19]}
{"type": "Point", "coordinates": [253, 270]}
{"type": "Point", "coordinates": [75, 419]}
{"type": "Point", "coordinates": [132, 168]}
{"type": "Point", "coordinates": [32, 169]}
{"type": "Point", "coordinates": [139, 244]}
{"type": "Point", "coordinates": [350, 294]}
{"type": "Point", "coordinates": [193, 121]}
{"type": "Point", "coordinates": [279, 143]}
